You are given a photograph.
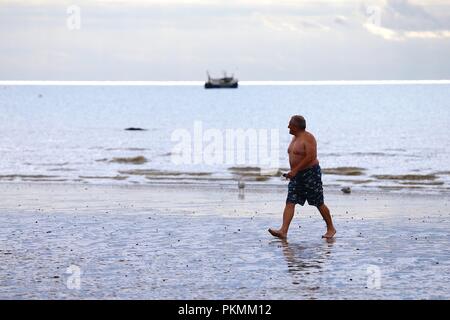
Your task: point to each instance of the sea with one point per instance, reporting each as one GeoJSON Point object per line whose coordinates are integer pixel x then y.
{"type": "Point", "coordinates": [390, 138]}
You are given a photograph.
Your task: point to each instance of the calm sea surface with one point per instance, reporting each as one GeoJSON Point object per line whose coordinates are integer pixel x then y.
{"type": "Point", "coordinates": [393, 137]}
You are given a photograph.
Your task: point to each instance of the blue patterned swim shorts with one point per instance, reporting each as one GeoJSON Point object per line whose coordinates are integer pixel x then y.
{"type": "Point", "coordinates": [306, 185]}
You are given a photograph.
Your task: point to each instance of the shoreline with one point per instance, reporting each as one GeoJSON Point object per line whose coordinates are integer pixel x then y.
{"type": "Point", "coordinates": [60, 192]}
{"type": "Point", "coordinates": [231, 184]}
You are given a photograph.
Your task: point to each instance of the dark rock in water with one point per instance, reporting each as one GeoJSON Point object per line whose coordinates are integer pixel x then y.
{"type": "Point", "coordinates": [346, 190]}
{"type": "Point", "coordinates": [135, 129]}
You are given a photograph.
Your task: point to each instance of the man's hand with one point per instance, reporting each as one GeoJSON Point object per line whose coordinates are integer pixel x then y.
{"type": "Point", "coordinates": [291, 174]}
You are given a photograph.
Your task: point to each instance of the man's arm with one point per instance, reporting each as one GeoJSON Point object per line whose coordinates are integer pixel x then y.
{"type": "Point", "coordinates": [310, 155]}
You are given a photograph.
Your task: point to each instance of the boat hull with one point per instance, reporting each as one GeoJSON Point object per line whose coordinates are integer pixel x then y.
{"type": "Point", "coordinates": [209, 85]}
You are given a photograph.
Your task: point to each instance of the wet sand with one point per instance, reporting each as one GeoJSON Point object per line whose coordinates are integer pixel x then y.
{"type": "Point", "coordinates": [169, 242]}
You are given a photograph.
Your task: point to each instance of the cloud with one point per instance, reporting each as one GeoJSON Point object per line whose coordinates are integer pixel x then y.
{"type": "Point", "coordinates": [399, 20]}
{"type": "Point", "coordinates": [394, 35]}
{"type": "Point", "coordinates": [404, 7]}
{"type": "Point", "coordinates": [257, 39]}
{"type": "Point", "coordinates": [341, 20]}
{"type": "Point", "coordinates": [428, 34]}
{"type": "Point", "coordinates": [403, 15]}
{"type": "Point", "coordinates": [385, 33]}
{"type": "Point", "coordinates": [290, 23]}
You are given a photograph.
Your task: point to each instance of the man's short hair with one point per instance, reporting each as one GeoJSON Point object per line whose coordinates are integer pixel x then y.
{"type": "Point", "coordinates": [299, 122]}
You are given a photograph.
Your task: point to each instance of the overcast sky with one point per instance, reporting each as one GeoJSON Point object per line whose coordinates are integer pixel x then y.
{"type": "Point", "coordinates": [255, 39]}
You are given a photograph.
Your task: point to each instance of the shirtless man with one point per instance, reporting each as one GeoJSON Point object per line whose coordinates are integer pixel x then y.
{"type": "Point", "coordinates": [305, 178]}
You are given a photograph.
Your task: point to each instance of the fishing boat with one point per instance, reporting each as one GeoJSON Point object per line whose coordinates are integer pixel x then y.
{"type": "Point", "coordinates": [219, 83]}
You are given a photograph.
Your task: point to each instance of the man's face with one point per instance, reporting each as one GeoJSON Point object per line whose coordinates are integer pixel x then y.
{"type": "Point", "coordinates": [292, 128]}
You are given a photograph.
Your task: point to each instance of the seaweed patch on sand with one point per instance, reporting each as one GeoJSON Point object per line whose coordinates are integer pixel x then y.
{"type": "Point", "coordinates": [47, 164]}
{"type": "Point", "coordinates": [28, 177]}
{"type": "Point", "coordinates": [344, 171]}
{"type": "Point", "coordinates": [443, 173]}
{"type": "Point", "coordinates": [244, 169]}
{"type": "Point", "coordinates": [43, 180]}
{"type": "Point", "coordinates": [397, 188]}
{"type": "Point", "coordinates": [255, 171]}
{"type": "Point", "coordinates": [422, 183]}
{"type": "Point", "coordinates": [406, 177]}
{"type": "Point", "coordinates": [153, 172]}
{"type": "Point", "coordinates": [131, 160]}
{"type": "Point", "coordinates": [118, 177]}
{"type": "Point", "coordinates": [187, 178]}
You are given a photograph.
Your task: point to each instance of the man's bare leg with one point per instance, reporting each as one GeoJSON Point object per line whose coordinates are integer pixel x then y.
{"type": "Point", "coordinates": [325, 212]}
{"type": "Point", "coordinates": [288, 214]}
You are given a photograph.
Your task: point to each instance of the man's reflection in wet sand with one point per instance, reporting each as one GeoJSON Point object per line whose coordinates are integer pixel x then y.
{"type": "Point", "coordinates": [305, 262]}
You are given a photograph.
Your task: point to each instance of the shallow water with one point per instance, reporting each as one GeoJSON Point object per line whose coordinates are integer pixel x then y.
{"type": "Point", "coordinates": [74, 132]}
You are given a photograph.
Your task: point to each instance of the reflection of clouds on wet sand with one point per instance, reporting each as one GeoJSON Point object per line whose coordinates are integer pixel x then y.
{"type": "Point", "coordinates": [186, 256]}
{"type": "Point", "coordinates": [214, 246]}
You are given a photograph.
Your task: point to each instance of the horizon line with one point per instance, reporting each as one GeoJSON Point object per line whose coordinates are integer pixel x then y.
{"type": "Point", "coordinates": [196, 82]}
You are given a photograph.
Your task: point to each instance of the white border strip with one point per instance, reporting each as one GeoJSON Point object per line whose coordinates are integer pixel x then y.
{"type": "Point", "coordinates": [197, 83]}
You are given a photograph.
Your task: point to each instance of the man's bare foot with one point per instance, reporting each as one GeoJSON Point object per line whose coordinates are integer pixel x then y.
{"type": "Point", "coordinates": [278, 234]}
{"type": "Point", "coordinates": [330, 234]}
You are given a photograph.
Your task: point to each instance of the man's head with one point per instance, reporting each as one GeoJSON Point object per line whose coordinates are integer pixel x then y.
{"type": "Point", "coordinates": [297, 124]}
